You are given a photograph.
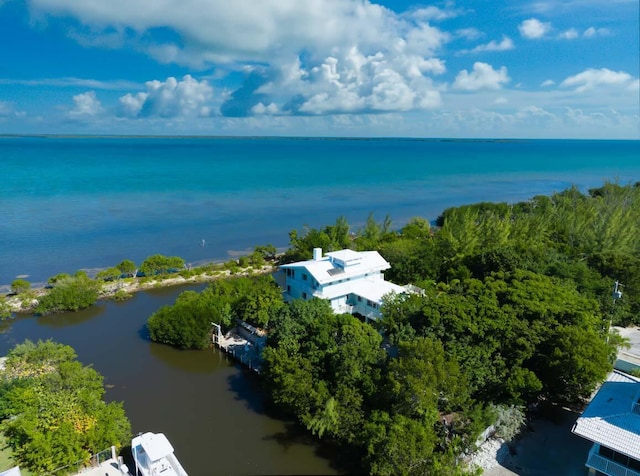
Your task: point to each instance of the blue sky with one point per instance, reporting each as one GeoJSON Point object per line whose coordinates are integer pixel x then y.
{"type": "Point", "coordinates": [526, 68]}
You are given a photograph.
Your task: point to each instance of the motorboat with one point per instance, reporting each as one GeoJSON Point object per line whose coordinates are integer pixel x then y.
{"type": "Point", "coordinates": [153, 456]}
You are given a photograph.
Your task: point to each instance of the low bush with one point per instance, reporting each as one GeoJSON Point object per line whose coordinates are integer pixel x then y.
{"type": "Point", "coordinates": [122, 295]}
{"type": "Point", "coordinates": [5, 310]}
{"type": "Point", "coordinates": [19, 286]}
{"type": "Point", "coordinates": [71, 294]}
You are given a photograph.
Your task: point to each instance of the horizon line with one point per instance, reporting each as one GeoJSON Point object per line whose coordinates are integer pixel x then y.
{"type": "Point", "coordinates": [292, 137]}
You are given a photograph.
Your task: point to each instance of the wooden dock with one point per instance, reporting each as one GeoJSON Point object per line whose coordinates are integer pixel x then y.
{"type": "Point", "coordinates": [244, 343]}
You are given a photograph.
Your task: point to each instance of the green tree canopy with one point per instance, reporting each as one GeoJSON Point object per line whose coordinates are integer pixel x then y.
{"type": "Point", "coordinates": [330, 238]}
{"type": "Point", "coordinates": [71, 294]}
{"type": "Point", "coordinates": [127, 267]}
{"type": "Point", "coordinates": [19, 286]}
{"type": "Point", "coordinates": [187, 323]}
{"type": "Point", "coordinates": [52, 410]}
{"type": "Point", "coordinates": [160, 264]}
{"type": "Point", "coordinates": [108, 274]}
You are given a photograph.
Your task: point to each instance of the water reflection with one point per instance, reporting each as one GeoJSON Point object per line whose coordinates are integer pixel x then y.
{"type": "Point", "coordinates": [66, 319]}
{"type": "Point", "coordinates": [213, 411]}
{"type": "Point", "coordinates": [191, 361]}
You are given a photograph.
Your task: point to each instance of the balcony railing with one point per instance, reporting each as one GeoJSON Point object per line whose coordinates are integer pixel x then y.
{"type": "Point", "coordinates": [607, 466]}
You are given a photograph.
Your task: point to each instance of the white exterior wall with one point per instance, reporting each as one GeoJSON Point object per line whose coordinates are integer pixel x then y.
{"type": "Point", "coordinates": [298, 288]}
{"type": "Point", "coordinates": [337, 288]}
{"type": "Point", "coordinates": [339, 304]}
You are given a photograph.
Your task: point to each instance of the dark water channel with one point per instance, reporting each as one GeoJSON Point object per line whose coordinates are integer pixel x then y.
{"type": "Point", "coordinates": [212, 411]}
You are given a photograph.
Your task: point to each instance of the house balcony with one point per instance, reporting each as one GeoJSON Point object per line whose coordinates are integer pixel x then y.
{"type": "Point", "coordinates": [344, 309]}
{"type": "Point", "coordinates": [607, 466]}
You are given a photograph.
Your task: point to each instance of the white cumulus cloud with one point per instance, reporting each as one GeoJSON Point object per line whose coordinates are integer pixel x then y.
{"type": "Point", "coordinates": [533, 28]}
{"type": "Point", "coordinates": [548, 82]}
{"type": "Point", "coordinates": [6, 109]}
{"type": "Point", "coordinates": [171, 98]}
{"type": "Point", "coordinates": [468, 33]}
{"type": "Point", "coordinates": [505, 44]}
{"type": "Point", "coordinates": [350, 82]}
{"type": "Point", "coordinates": [592, 32]}
{"type": "Point", "coordinates": [483, 76]}
{"type": "Point", "coordinates": [260, 108]}
{"type": "Point", "coordinates": [85, 105]}
{"type": "Point", "coordinates": [570, 34]}
{"type": "Point", "coordinates": [435, 13]}
{"type": "Point", "coordinates": [594, 78]}
{"type": "Point", "coordinates": [396, 52]}
{"type": "Point", "coordinates": [218, 31]}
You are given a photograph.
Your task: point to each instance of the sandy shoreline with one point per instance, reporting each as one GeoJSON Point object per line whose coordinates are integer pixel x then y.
{"type": "Point", "coordinates": [19, 304]}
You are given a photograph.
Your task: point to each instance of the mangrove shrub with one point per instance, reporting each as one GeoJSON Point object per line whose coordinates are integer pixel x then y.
{"type": "Point", "coordinates": [70, 294]}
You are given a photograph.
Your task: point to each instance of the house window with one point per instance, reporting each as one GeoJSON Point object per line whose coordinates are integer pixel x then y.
{"type": "Point", "coordinates": [369, 303]}
{"type": "Point", "coordinates": [289, 289]}
{"type": "Point", "coordinates": [304, 277]}
{"type": "Point", "coordinates": [304, 295]}
{"type": "Point", "coordinates": [359, 299]}
{"type": "Point", "coordinates": [606, 452]}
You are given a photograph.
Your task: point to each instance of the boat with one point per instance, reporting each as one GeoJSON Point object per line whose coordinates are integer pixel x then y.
{"type": "Point", "coordinates": [153, 456]}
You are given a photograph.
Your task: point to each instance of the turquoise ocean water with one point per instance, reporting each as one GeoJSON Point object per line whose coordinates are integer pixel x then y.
{"type": "Point", "coordinates": [71, 203]}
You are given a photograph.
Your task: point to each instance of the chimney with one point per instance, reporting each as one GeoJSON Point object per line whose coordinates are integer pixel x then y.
{"type": "Point", "coordinates": [317, 254]}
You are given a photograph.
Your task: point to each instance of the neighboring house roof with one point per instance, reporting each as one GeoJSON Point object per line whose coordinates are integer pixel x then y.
{"type": "Point", "coordinates": [342, 264]}
{"type": "Point", "coordinates": [610, 420]}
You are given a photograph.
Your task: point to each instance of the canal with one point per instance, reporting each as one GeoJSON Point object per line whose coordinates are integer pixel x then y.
{"type": "Point", "coordinates": [212, 411]}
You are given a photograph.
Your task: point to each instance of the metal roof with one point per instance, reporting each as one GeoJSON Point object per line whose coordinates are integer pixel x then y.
{"type": "Point", "coordinates": [610, 419]}
{"type": "Point", "coordinates": [371, 289]}
{"type": "Point", "coordinates": [328, 269]}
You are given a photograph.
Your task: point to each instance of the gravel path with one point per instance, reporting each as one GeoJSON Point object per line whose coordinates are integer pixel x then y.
{"type": "Point", "coordinates": [547, 449]}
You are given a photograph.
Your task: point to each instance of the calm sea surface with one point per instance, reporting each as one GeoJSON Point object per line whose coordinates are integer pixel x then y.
{"type": "Point", "coordinates": [71, 203]}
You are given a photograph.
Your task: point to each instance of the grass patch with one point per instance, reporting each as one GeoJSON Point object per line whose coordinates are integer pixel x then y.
{"type": "Point", "coordinates": [6, 457]}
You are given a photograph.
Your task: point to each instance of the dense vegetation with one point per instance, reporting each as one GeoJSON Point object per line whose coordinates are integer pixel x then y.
{"type": "Point", "coordinates": [69, 294]}
{"type": "Point", "coordinates": [160, 264]}
{"type": "Point", "coordinates": [515, 311]}
{"type": "Point", "coordinates": [187, 323]}
{"type": "Point", "coordinates": [51, 409]}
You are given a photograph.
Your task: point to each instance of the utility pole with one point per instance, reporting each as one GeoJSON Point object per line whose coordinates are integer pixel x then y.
{"type": "Point", "coordinates": [617, 294]}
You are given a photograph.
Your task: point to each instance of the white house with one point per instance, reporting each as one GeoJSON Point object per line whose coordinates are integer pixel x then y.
{"type": "Point", "coordinates": [351, 280]}
{"type": "Point", "coordinates": [612, 422]}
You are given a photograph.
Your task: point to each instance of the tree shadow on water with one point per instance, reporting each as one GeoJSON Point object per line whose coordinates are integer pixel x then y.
{"type": "Point", "coordinates": [71, 318]}
{"type": "Point", "coordinates": [342, 459]}
{"type": "Point", "coordinates": [247, 388]}
{"type": "Point", "coordinates": [143, 333]}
